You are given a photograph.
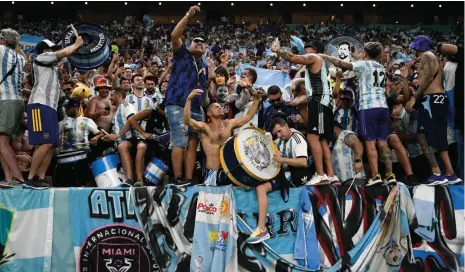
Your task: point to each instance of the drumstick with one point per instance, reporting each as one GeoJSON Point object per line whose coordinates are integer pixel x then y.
{"type": "Point", "coordinates": [104, 132]}
{"type": "Point", "coordinates": [350, 185]}
{"type": "Point", "coordinates": [74, 30]}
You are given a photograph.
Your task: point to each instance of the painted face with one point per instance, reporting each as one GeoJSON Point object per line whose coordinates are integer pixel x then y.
{"type": "Point", "coordinates": [222, 94]}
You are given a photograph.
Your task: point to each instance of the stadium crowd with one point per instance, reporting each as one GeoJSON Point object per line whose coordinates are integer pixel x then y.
{"type": "Point", "coordinates": [392, 117]}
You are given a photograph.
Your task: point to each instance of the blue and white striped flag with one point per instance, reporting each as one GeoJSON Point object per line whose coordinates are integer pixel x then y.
{"type": "Point", "coordinates": [26, 230]}
{"type": "Point", "coordinates": [28, 43]}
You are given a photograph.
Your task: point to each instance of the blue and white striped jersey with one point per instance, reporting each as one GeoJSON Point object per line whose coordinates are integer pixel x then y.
{"type": "Point", "coordinates": [124, 111]}
{"type": "Point", "coordinates": [140, 104]}
{"type": "Point", "coordinates": [46, 90]}
{"type": "Point", "coordinates": [372, 82]}
{"type": "Point", "coordinates": [10, 89]}
{"type": "Point", "coordinates": [74, 133]}
{"type": "Point", "coordinates": [347, 118]}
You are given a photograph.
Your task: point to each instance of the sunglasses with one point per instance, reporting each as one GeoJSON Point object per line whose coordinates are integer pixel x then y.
{"type": "Point", "coordinates": [197, 41]}
{"type": "Point", "coordinates": [274, 100]}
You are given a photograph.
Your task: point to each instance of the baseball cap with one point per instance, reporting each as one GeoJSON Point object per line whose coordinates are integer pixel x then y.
{"type": "Point", "coordinates": [397, 73]}
{"type": "Point", "coordinates": [421, 43]}
{"type": "Point", "coordinates": [45, 44]}
{"type": "Point", "coordinates": [102, 83]}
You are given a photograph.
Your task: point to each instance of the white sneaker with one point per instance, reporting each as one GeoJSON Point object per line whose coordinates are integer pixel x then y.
{"type": "Point", "coordinates": [334, 180]}
{"type": "Point", "coordinates": [318, 180]}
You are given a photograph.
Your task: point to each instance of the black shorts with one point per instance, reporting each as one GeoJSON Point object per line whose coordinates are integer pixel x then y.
{"type": "Point", "coordinates": [320, 119]}
{"type": "Point", "coordinates": [432, 119]}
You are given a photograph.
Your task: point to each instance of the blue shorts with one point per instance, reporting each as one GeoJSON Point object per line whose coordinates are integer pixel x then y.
{"type": "Point", "coordinates": [42, 125]}
{"type": "Point", "coordinates": [178, 129]}
{"type": "Point", "coordinates": [373, 124]}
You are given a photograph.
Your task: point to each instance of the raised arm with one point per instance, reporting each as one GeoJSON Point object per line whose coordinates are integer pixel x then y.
{"type": "Point", "coordinates": [250, 113]}
{"type": "Point", "coordinates": [448, 49]}
{"type": "Point", "coordinates": [198, 126]}
{"type": "Point", "coordinates": [66, 52]}
{"type": "Point", "coordinates": [179, 29]}
{"type": "Point", "coordinates": [403, 99]}
{"type": "Point", "coordinates": [339, 63]}
{"type": "Point", "coordinates": [298, 59]}
{"type": "Point", "coordinates": [337, 86]}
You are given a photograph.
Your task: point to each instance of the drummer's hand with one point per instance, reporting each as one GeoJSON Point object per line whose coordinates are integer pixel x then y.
{"type": "Point", "coordinates": [194, 93]}
{"type": "Point", "coordinates": [79, 41]}
{"type": "Point", "coordinates": [147, 136]}
{"type": "Point", "coordinates": [278, 158]}
{"type": "Point", "coordinates": [113, 137]}
{"type": "Point", "coordinates": [93, 141]}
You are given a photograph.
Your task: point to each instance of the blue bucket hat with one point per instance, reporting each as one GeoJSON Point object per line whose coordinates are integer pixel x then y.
{"type": "Point", "coordinates": [421, 43]}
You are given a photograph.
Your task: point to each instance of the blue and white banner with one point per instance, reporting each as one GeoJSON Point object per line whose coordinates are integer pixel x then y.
{"type": "Point", "coordinates": [266, 77]}
{"type": "Point", "coordinates": [26, 230]}
{"type": "Point", "coordinates": [28, 43]}
{"type": "Point", "coordinates": [105, 233]}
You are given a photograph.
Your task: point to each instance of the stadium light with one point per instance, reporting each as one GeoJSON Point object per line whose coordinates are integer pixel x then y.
{"type": "Point", "coordinates": [126, 3]}
{"type": "Point", "coordinates": [172, 21]}
{"type": "Point", "coordinates": [198, 21]}
{"type": "Point", "coordinates": [440, 6]}
{"type": "Point", "coordinates": [51, 3]}
{"type": "Point", "coordinates": [85, 3]}
{"type": "Point", "coordinates": [411, 5]}
{"type": "Point", "coordinates": [243, 22]}
{"type": "Point", "coordinates": [374, 5]}
{"type": "Point", "coordinates": [397, 22]}
{"type": "Point", "coordinates": [232, 4]}
{"type": "Point", "coordinates": [159, 3]}
{"type": "Point", "coordinates": [342, 4]}
{"type": "Point", "coordinates": [13, 2]}
{"type": "Point", "coordinates": [198, 4]}
{"type": "Point", "coordinates": [271, 4]}
{"type": "Point", "coordinates": [304, 4]}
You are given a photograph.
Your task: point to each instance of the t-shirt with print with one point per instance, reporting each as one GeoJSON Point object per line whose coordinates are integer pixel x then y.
{"type": "Point", "coordinates": [187, 74]}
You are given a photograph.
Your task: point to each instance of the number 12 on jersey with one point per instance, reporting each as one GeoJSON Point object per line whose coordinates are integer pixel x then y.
{"type": "Point", "coordinates": [379, 78]}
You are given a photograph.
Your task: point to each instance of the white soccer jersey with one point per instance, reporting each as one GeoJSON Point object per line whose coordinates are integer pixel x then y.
{"type": "Point", "coordinates": [372, 82]}
{"type": "Point", "coordinates": [10, 89]}
{"type": "Point", "coordinates": [295, 147]}
{"type": "Point", "coordinates": [74, 133]}
{"type": "Point", "coordinates": [46, 90]}
{"type": "Point", "coordinates": [140, 104]}
{"type": "Point", "coordinates": [124, 111]}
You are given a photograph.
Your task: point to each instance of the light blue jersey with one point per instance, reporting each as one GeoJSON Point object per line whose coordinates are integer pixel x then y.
{"type": "Point", "coordinates": [343, 158]}
{"type": "Point", "coordinates": [372, 82]}
{"type": "Point", "coordinates": [124, 111]}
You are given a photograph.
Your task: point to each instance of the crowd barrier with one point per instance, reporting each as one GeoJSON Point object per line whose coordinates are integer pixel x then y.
{"type": "Point", "coordinates": [148, 228]}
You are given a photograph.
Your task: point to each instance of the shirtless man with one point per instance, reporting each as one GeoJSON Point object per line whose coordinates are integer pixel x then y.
{"type": "Point", "coordinates": [432, 107]}
{"type": "Point", "coordinates": [100, 106]}
{"type": "Point", "coordinates": [215, 133]}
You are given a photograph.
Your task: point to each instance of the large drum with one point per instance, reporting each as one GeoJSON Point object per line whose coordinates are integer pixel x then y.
{"type": "Point", "coordinates": [95, 50]}
{"type": "Point", "coordinates": [108, 171]}
{"type": "Point", "coordinates": [247, 158]}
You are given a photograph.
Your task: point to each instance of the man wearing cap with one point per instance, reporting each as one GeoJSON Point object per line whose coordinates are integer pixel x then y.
{"type": "Point", "coordinates": [99, 107]}
{"type": "Point", "coordinates": [42, 108]}
{"type": "Point", "coordinates": [432, 106]}
{"type": "Point", "coordinates": [188, 73]}
{"type": "Point", "coordinates": [11, 102]}
{"type": "Point", "coordinates": [373, 115]}
{"type": "Point", "coordinates": [72, 163]}
{"type": "Point", "coordinates": [320, 105]}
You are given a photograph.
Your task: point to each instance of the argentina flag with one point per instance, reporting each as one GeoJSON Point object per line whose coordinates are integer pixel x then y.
{"type": "Point", "coordinates": [267, 78]}
{"type": "Point", "coordinates": [26, 230]}
{"type": "Point", "coordinates": [28, 43]}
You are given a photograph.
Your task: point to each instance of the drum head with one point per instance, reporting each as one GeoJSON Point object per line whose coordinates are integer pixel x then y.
{"type": "Point", "coordinates": [255, 151]}
{"type": "Point", "coordinates": [343, 47]}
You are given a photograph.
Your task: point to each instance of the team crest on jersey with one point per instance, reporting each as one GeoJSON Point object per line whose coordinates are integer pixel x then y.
{"type": "Point", "coordinates": [46, 135]}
